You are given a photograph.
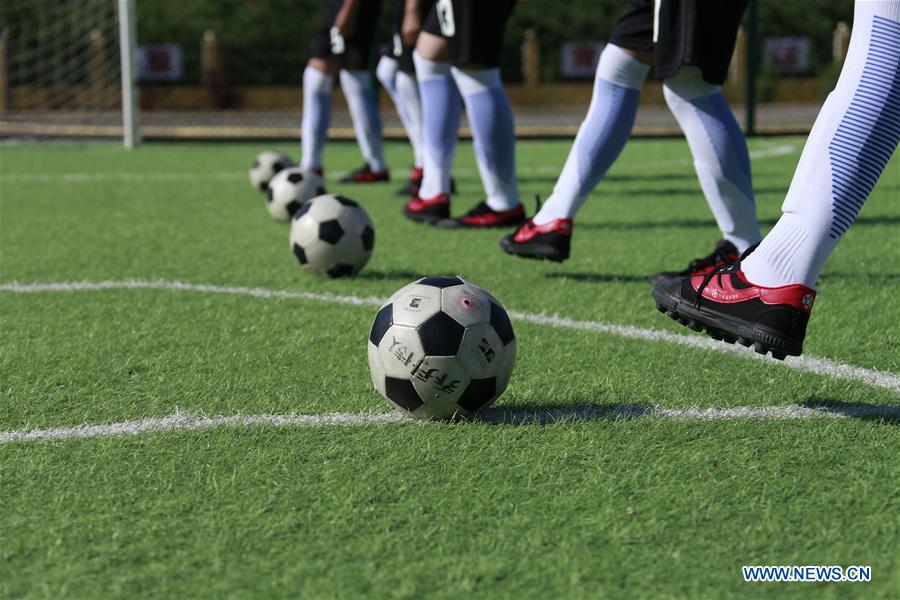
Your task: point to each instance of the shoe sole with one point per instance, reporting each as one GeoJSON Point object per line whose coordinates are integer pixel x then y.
{"type": "Point", "coordinates": [538, 252]}
{"type": "Point", "coordinates": [430, 219]}
{"type": "Point", "coordinates": [727, 329]}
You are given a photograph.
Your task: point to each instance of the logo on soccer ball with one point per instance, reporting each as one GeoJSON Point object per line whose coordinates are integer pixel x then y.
{"type": "Point", "coordinates": [807, 301]}
{"type": "Point", "coordinates": [415, 302]}
{"type": "Point", "coordinates": [486, 351]}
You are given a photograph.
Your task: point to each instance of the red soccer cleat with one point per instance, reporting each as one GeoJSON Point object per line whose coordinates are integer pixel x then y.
{"type": "Point", "coordinates": [483, 216]}
{"type": "Point", "coordinates": [732, 309]}
{"type": "Point", "coordinates": [365, 174]}
{"type": "Point", "coordinates": [551, 241]}
{"type": "Point", "coordinates": [428, 210]}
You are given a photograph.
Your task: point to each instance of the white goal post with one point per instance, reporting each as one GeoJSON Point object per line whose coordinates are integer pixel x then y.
{"type": "Point", "coordinates": [131, 129]}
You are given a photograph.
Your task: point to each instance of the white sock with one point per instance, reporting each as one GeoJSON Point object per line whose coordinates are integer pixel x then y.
{"type": "Point", "coordinates": [850, 144]}
{"type": "Point", "coordinates": [602, 135]}
{"type": "Point", "coordinates": [404, 92]}
{"type": "Point", "coordinates": [491, 119]}
{"type": "Point", "coordinates": [441, 113]}
{"type": "Point", "coordinates": [408, 96]}
{"type": "Point", "coordinates": [316, 116]}
{"type": "Point", "coordinates": [357, 88]}
{"type": "Point", "coordinates": [720, 154]}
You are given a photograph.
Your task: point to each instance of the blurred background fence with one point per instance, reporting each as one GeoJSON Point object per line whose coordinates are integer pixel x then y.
{"type": "Point", "coordinates": [233, 68]}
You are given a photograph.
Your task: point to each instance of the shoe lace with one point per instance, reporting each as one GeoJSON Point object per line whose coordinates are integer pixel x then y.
{"type": "Point", "coordinates": [730, 265]}
{"type": "Point", "coordinates": [720, 254]}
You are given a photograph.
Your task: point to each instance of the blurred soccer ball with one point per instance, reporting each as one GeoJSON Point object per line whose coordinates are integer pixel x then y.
{"type": "Point", "coordinates": [441, 347]}
{"type": "Point", "coordinates": [265, 166]}
{"type": "Point", "coordinates": [290, 188]}
{"type": "Point", "coordinates": [332, 235]}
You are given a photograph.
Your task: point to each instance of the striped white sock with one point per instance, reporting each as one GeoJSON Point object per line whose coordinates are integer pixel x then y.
{"type": "Point", "coordinates": [849, 146]}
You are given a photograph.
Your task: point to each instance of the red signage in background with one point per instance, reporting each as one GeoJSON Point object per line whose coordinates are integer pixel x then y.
{"type": "Point", "coordinates": [787, 55]}
{"type": "Point", "coordinates": [159, 62]}
{"type": "Point", "coordinates": [579, 59]}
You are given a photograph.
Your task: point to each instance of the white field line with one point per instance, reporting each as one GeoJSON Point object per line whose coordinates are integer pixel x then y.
{"type": "Point", "coordinates": [806, 363]}
{"type": "Point", "coordinates": [780, 150]}
{"type": "Point", "coordinates": [186, 422]}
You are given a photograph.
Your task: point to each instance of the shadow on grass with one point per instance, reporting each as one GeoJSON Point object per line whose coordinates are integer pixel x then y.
{"type": "Point", "coordinates": [376, 275]}
{"type": "Point", "coordinates": [599, 277]}
{"type": "Point", "coordinates": [576, 413]}
{"type": "Point", "coordinates": [889, 413]}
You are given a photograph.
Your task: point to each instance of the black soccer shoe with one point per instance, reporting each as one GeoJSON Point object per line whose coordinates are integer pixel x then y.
{"type": "Point", "coordinates": [550, 241]}
{"type": "Point", "coordinates": [732, 309]}
{"type": "Point", "coordinates": [483, 216]}
{"type": "Point", "coordinates": [365, 174]}
{"type": "Point", "coordinates": [723, 254]}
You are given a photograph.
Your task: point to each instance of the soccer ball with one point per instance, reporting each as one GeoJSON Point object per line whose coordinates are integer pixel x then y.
{"type": "Point", "coordinates": [441, 347]}
{"type": "Point", "coordinates": [290, 188]}
{"type": "Point", "coordinates": [265, 166]}
{"type": "Point", "coordinates": [332, 235]}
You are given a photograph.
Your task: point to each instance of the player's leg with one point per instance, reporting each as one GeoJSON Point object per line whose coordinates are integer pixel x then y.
{"type": "Point", "coordinates": [318, 79]}
{"type": "Point", "coordinates": [478, 31]}
{"type": "Point", "coordinates": [441, 113]}
{"type": "Point", "coordinates": [693, 50]}
{"type": "Point", "coordinates": [766, 299]}
{"type": "Point", "coordinates": [621, 71]}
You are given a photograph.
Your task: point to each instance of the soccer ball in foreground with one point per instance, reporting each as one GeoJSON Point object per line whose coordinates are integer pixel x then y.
{"type": "Point", "coordinates": [290, 188]}
{"type": "Point", "coordinates": [332, 235]}
{"type": "Point", "coordinates": [265, 166]}
{"type": "Point", "coordinates": [441, 347]}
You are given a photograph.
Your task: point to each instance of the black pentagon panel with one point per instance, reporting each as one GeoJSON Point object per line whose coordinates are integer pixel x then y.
{"type": "Point", "coordinates": [300, 254]}
{"type": "Point", "coordinates": [301, 210]}
{"type": "Point", "coordinates": [293, 206]}
{"type": "Point", "coordinates": [295, 177]}
{"type": "Point", "coordinates": [346, 201]}
{"type": "Point", "coordinates": [441, 335]}
{"type": "Point", "coordinates": [383, 321]}
{"type": "Point", "coordinates": [340, 271]}
{"type": "Point", "coordinates": [368, 238]}
{"type": "Point", "coordinates": [268, 193]}
{"type": "Point", "coordinates": [500, 323]}
{"type": "Point", "coordinates": [320, 190]}
{"type": "Point", "coordinates": [278, 166]}
{"type": "Point", "coordinates": [263, 186]}
{"type": "Point", "coordinates": [441, 282]}
{"type": "Point", "coordinates": [330, 231]}
{"type": "Point", "coordinates": [479, 393]}
{"type": "Point", "coordinates": [402, 393]}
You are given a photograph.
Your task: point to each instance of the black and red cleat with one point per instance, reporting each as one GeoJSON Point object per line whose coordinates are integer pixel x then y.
{"type": "Point", "coordinates": [483, 216]}
{"type": "Point", "coordinates": [732, 309]}
{"type": "Point", "coordinates": [412, 185]}
{"type": "Point", "coordinates": [428, 210]}
{"type": "Point", "coordinates": [365, 174]}
{"type": "Point", "coordinates": [724, 253]}
{"type": "Point", "coordinates": [550, 241]}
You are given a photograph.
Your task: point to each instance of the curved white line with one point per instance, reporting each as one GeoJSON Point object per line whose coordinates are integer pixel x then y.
{"type": "Point", "coordinates": [806, 363]}
{"type": "Point", "coordinates": [514, 416]}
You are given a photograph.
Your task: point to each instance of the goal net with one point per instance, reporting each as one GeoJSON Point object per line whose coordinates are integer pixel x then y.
{"type": "Point", "coordinates": [61, 68]}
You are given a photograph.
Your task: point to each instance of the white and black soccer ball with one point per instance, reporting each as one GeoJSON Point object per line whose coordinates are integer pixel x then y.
{"type": "Point", "coordinates": [332, 235]}
{"type": "Point", "coordinates": [289, 189]}
{"type": "Point", "coordinates": [441, 347]}
{"type": "Point", "coordinates": [265, 166]}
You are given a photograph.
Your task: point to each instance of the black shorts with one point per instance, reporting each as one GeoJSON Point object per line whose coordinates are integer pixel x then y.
{"type": "Point", "coordinates": [394, 47]}
{"type": "Point", "coordinates": [474, 29]}
{"type": "Point", "coordinates": [699, 33]}
{"type": "Point", "coordinates": [359, 47]}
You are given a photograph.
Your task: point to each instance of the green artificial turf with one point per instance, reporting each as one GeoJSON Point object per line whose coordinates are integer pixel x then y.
{"type": "Point", "coordinates": [639, 507]}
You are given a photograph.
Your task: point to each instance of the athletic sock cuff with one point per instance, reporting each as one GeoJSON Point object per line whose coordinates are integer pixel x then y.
{"type": "Point", "coordinates": [620, 68]}
{"type": "Point", "coordinates": [316, 80]}
{"type": "Point", "coordinates": [429, 69]}
{"type": "Point", "coordinates": [476, 81]}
